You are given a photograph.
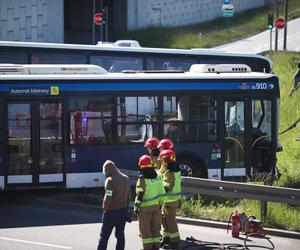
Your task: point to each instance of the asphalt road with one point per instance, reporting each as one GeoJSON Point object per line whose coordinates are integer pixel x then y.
{"type": "Point", "coordinates": [261, 42]}
{"type": "Point", "coordinates": [40, 223]}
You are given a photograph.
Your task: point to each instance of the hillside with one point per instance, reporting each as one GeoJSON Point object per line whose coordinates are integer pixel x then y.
{"type": "Point", "coordinates": [285, 66]}
{"type": "Point", "coordinates": [210, 34]}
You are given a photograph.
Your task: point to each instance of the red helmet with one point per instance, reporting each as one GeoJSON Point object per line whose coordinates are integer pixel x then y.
{"type": "Point", "coordinates": [145, 162]}
{"type": "Point", "coordinates": [168, 155]}
{"type": "Point", "coordinates": [165, 144]}
{"type": "Point", "coordinates": [152, 143]}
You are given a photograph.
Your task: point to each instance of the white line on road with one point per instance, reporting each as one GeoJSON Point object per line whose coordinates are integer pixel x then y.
{"type": "Point", "coordinates": [35, 243]}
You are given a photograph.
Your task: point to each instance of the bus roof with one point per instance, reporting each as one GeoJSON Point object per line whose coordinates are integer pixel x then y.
{"type": "Point", "coordinates": [139, 75]}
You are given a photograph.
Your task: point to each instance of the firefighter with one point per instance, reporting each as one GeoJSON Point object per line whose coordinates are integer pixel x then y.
{"type": "Point", "coordinates": [172, 186]}
{"type": "Point", "coordinates": [150, 194]}
{"type": "Point", "coordinates": [163, 145]}
{"type": "Point", "coordinates": [151, 145]}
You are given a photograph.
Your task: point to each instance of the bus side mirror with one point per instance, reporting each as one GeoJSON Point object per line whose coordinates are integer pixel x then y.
{"type": "Point", "coordinates": [296, 80]}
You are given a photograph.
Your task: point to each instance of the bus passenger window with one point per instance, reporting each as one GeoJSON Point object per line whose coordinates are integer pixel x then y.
{"type": "Point", "coordinates": [261, 130]}
{"type": "Point", "coordinates": [169, 64]}
{"type": "Point", "coordinates": [118, 63]}
{"type": "Point", "coordinates": [53, 58]}
{"type": "Point", "coordinates": [191, 118]}
{"type": "Point", "coordinates": [13, 57]}
{"type": "Point", "coordinates": [137, 118]}
{"type": "Point", "coordinates": [91, 120]}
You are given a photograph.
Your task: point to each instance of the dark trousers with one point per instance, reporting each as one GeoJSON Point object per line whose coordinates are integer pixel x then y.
{"type": "Point", "coordinates": [111, 219]}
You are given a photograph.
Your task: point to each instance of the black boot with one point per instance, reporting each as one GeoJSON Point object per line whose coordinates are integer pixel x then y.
{"type": "Point", "coordinates": [175, 246]}
{"type": "Point", "coordinates": [167, 246]}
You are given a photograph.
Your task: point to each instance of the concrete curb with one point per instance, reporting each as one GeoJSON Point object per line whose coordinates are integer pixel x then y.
{"type": "Point", "coordinates": [223, 225]}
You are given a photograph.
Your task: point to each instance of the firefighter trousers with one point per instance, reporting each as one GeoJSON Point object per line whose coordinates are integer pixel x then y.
{"type": "Point", "coordinates": [149, 225]}
{"type": "Point", "coordinates": [170, 228]}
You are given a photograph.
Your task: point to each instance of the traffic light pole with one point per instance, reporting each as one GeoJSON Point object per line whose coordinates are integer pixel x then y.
{"type": "Point", "coordinates": [270, 39]}
{"type": "Point", "coordinates": [286, 23]}
{"type": "Point", "coordinates": [106, 26]}
{"type": "Point", "coordinates": [270, 27]}
{"type": "Point", "coordinates": [276, 30]}
{"type": "Point", "coordinates": [94, 33]}
{"type": "Point", "coordinates": [101, 26]}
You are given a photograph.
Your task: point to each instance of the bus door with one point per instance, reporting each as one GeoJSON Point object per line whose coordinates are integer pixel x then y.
{"type": "Point", "coordinates": [2, 143]}
{"type": "Point", "coordinates": [236, 145]}
{"type": "Point", "coordinates": [35, 156]}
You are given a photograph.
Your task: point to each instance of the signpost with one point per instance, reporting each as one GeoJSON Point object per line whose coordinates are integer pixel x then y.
{"type": "Point", "coordinates": [280, 23]}
{"type": "Point", "coordinates": [228, 10]}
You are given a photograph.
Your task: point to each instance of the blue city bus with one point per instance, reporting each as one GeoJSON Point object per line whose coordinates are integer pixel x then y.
{"type": "Point", "coordinates": [124, 55]}
{"type": "Point", "coordinates": [59, 123]}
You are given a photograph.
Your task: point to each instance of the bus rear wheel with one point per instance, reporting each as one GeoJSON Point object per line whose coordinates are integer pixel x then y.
{"type": "Point", "coordinates": [187, 167]}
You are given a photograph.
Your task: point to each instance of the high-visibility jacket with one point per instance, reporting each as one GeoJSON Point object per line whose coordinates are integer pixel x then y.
{"type": "Point", "coordinates": [154, 193]}
{"type": "Point", "coordinates": [175, 193]}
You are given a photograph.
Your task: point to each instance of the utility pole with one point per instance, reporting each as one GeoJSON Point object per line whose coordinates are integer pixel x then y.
{"type": "Point", "coordinates": [93, 27]}
{"type": "Point", "coordinates": [106, 26]}
{"type": "Point", "coordinates": [270, 27]}
{"type": "Point", "coordinates": [286, 22]}
{"type": "Point", "coordinates": [101, 26]}
{"type": "Point", "coordinates": [276, 30]}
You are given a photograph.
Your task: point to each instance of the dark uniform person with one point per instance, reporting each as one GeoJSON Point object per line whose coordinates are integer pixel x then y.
{"type": "Point", "coordinates": [151, 144]}
{"type": "Point", "coordinates": [150, 194]}
{"type": "Point", "coordinates": [172, 185]}
{"type": "Point", "coordinates": [115, 205]}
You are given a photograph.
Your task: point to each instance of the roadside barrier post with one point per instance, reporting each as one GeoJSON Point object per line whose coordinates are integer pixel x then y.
{"type": "Point", "coordinates": [263, 210]}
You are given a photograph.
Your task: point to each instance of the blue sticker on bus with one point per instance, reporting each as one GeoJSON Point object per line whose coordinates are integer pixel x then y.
{"type": "Point", "coordinates": [45, 89]}
{"type": "Point", "coordinates": [34, 91]}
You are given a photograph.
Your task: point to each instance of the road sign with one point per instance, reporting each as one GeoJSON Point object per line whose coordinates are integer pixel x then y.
{"type": "Point", "coordinates": [98, 17]}
{"type": "Point", "coordinates": [280, 23]}
{"type": "Point", "coordinates": [227, 7]}
{"type": "Point", "coordinates": [228, 10]}
{"type": "Point", "coordinates": [226, 1]}
{"type": "Point", "coordinates": [227, 13]}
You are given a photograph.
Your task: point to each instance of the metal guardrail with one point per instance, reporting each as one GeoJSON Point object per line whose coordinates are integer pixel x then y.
{"type": "Point", "coordinates": [229, 189]}
{"type": "Point", "coordinates": [192, 186]}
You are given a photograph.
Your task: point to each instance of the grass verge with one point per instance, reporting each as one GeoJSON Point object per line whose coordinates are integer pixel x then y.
{"type": "Point", "coordinates": [285, 66]}
{"type": "Point", "coordinates": [280, 216]}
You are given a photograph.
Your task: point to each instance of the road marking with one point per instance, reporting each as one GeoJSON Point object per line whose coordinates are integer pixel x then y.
{"type": "Point", "coordinates": [35, 243]}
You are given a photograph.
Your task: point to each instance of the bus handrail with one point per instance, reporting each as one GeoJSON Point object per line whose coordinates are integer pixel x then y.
{"type": "Point", "coordinates": [235, 140]}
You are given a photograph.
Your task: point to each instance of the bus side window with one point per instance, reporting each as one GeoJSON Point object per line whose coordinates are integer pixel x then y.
{"type": "Point", "coordinates": [137, 118]}
{"type": "Point", "coordinates": [91, 120]}
{"type": "Point", "coordinates": [190, 118]}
